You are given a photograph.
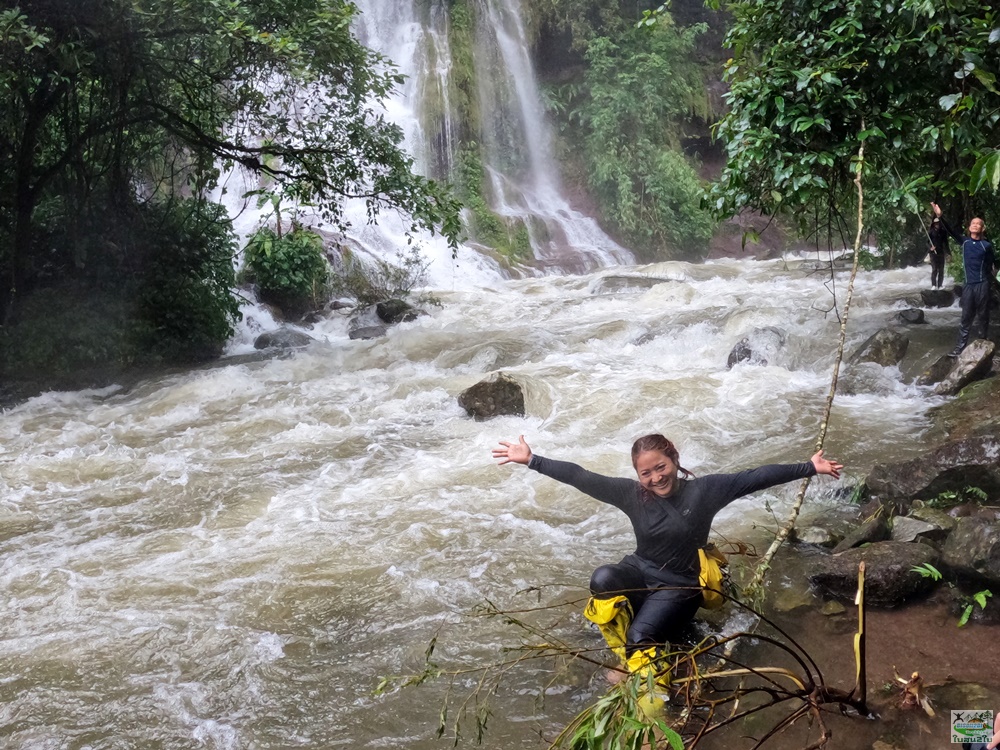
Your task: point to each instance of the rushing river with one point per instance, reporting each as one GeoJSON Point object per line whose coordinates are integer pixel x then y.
{"type": "Point", "coordinates": [232, 557]}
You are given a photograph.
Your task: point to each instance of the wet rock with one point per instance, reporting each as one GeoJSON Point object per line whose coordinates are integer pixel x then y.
{"type": "Point", "coordinates": [938, 297]}
{"type": "Point", "coordinates": [396, 311]}
{"type": "Point", "coordinates": [872, 530]}
{"type": "Point", "coordinates": [889, 580]}
{"type": "Point", "coordinates": [885, 347]}
{"type": "Point", "coordinates": [953, 694]}
{"type": "Point", "coordinates": [759, 347]}
{"type": "Point", "coordinates": [976, 410]}
{"type": "Point", "coordinates": [907, 529]}
{"type": "Point", "coordinates": [937, 371]}
{"type": "Point", "coordinates": [364, 317]}
{"type": "Point", "coordinates": [910, 316]}
{"type": "Point", "coordinates": [368, 332]}
{"type": "Point", "coordinates": [832, 608]}
{"type": "Point", "coordinates": [972, 364]}
{"type": "Point", "coordinates": [934, 516]}
{"type": "Point", "coordinates": [972, 550]}
{"type": "Point", "coordinates": [973, 462]}
{"type": "Point", "coordinates": [814, 535]}
{"type": "Point", "coordinates": [499, 395]}
{"type": "Point", "coordinates": [283, 338]}
{"type": "Point", "coordinates": [790, 595]}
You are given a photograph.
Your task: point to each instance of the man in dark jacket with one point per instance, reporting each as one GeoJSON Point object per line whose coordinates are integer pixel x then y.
{"type": "Point", "coordinates": [979, 263]}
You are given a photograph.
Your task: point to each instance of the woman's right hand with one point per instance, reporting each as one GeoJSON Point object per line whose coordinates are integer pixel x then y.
{"type": "Point", "coordinates": [518, 453]}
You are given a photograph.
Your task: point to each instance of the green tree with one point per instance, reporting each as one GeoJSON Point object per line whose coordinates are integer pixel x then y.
{"type": "Point", "coordinates": [639, 90]}
{"type": "Point", "coordinates": [113, 104]}
{"type": "Point", "coordinates": [810, 80]}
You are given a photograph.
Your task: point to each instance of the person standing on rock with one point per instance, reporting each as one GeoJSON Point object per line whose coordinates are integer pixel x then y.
{"type": "Point", "coordinates": [939, 251]}
{"type": "Point", "coordinates": [979, 262]}
{"type": "Point", "coordinates": [671, 513]}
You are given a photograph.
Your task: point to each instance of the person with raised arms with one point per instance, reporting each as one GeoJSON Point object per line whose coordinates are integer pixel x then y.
{"type": "Point", "coordinates": [671, 512]}
{"type": "Point", "coordinates": [978, 261]}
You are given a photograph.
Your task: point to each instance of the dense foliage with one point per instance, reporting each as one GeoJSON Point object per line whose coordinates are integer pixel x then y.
{"type": "Point", "coordinates": [630, 110]}
{"type": "Point", "coordinates": [915, 80]}
{"type": "Point", "coordinates": [114, 108]}
{"type": "Point", "coordinates": [290, 270]}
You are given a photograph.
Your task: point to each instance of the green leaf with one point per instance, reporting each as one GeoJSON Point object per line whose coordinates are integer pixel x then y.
{"type": "Point", "coordinates": [966, 614]}
{"type": "Point", "coordinates": [986, 171]}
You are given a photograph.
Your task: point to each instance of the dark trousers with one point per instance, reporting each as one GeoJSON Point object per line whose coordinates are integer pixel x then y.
{"type": "Point", "coordinates": [975, 309]}
{"type": "Point", "coordinates": [661, 612]}
{"type": "Point", "coordinates": [937, 268]}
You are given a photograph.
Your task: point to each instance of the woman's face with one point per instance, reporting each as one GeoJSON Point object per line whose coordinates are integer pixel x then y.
{"type": "Point", "coordinates": [657, 472]}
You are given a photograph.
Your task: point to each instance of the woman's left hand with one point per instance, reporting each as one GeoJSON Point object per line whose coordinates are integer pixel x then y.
{"type": "Point", "coordinates": [823, 466]}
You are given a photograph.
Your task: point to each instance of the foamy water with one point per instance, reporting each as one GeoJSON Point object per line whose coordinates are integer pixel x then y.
{"type": "Point", "coordinates": [232, 556]}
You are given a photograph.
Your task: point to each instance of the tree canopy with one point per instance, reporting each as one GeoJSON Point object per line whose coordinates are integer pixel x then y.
{"type": "Point", "coordinates": [810, 80]}
{"type": "Point", "coordinates": [114, 106]}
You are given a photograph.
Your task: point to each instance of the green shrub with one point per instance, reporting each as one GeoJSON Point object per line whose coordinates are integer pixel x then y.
{"type": "Point", "coordinates": [153, 287]}
{"type": "Point", "coordinates": [186, 304]}
{"type": "Point", "coordinates": [290, 270]}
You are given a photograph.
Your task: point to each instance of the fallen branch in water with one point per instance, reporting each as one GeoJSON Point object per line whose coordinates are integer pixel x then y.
{"type": "Point", "coordinates": [707, 687]}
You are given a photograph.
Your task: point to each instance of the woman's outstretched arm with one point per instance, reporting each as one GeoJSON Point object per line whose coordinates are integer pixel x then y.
{"type": "Point", "coordinates": [611, 490]}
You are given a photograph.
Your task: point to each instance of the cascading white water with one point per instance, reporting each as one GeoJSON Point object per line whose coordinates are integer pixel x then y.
{"type": "Point", "coordinates": [524, 177]}
{"type": "Point", "coordinates": [231, 557]}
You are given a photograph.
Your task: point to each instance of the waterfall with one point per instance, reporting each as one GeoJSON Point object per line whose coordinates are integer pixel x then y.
{"type": "Point", "coordinates": [524, 177]}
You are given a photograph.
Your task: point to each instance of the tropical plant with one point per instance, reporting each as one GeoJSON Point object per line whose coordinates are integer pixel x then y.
{"type": "Point", "coordinates": [290, 270]}
{"type": "Point", "coordinates": [926, 570]}
{"type": "Point", "coordinates": [969, 604]}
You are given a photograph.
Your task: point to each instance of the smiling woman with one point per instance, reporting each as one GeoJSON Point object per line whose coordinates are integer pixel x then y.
{"type": "Point", "coordinates": [671, 517]}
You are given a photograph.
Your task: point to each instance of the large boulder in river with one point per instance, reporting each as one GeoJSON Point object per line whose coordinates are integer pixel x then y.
{"type": "Point", "coordinates": [910, 316]}
{"type": "Point", "coordinates": [393, 311]}
{"type": "Point", "coordinates": [889, 578]}
{"type": "Point", "coordinates": [759, 347]}
{"type": "Point", "coordinates": [938, 297]}
{"type": "Point", "coordinates": [972, 550]}
{"type": "Point", "coordinates": [283, 338]}
{"type": "Point", "coordinates": [972, 364]}
{"type": "Point", "coordinates": [971, 462]}
{"type": "Point", "coordinates": [367, 332]}
{"type": "Point", "coordinates": [497, 396]}
{"type": "Point", "coordinates": [885, 347]}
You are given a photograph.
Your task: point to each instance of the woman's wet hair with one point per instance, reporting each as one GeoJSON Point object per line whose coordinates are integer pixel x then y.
{"type": "Point", "coordinates": [657, 442]}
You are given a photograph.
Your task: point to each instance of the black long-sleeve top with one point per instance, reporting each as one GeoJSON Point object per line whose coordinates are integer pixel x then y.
{"type": "Point", "coordinates": [670, 530]}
